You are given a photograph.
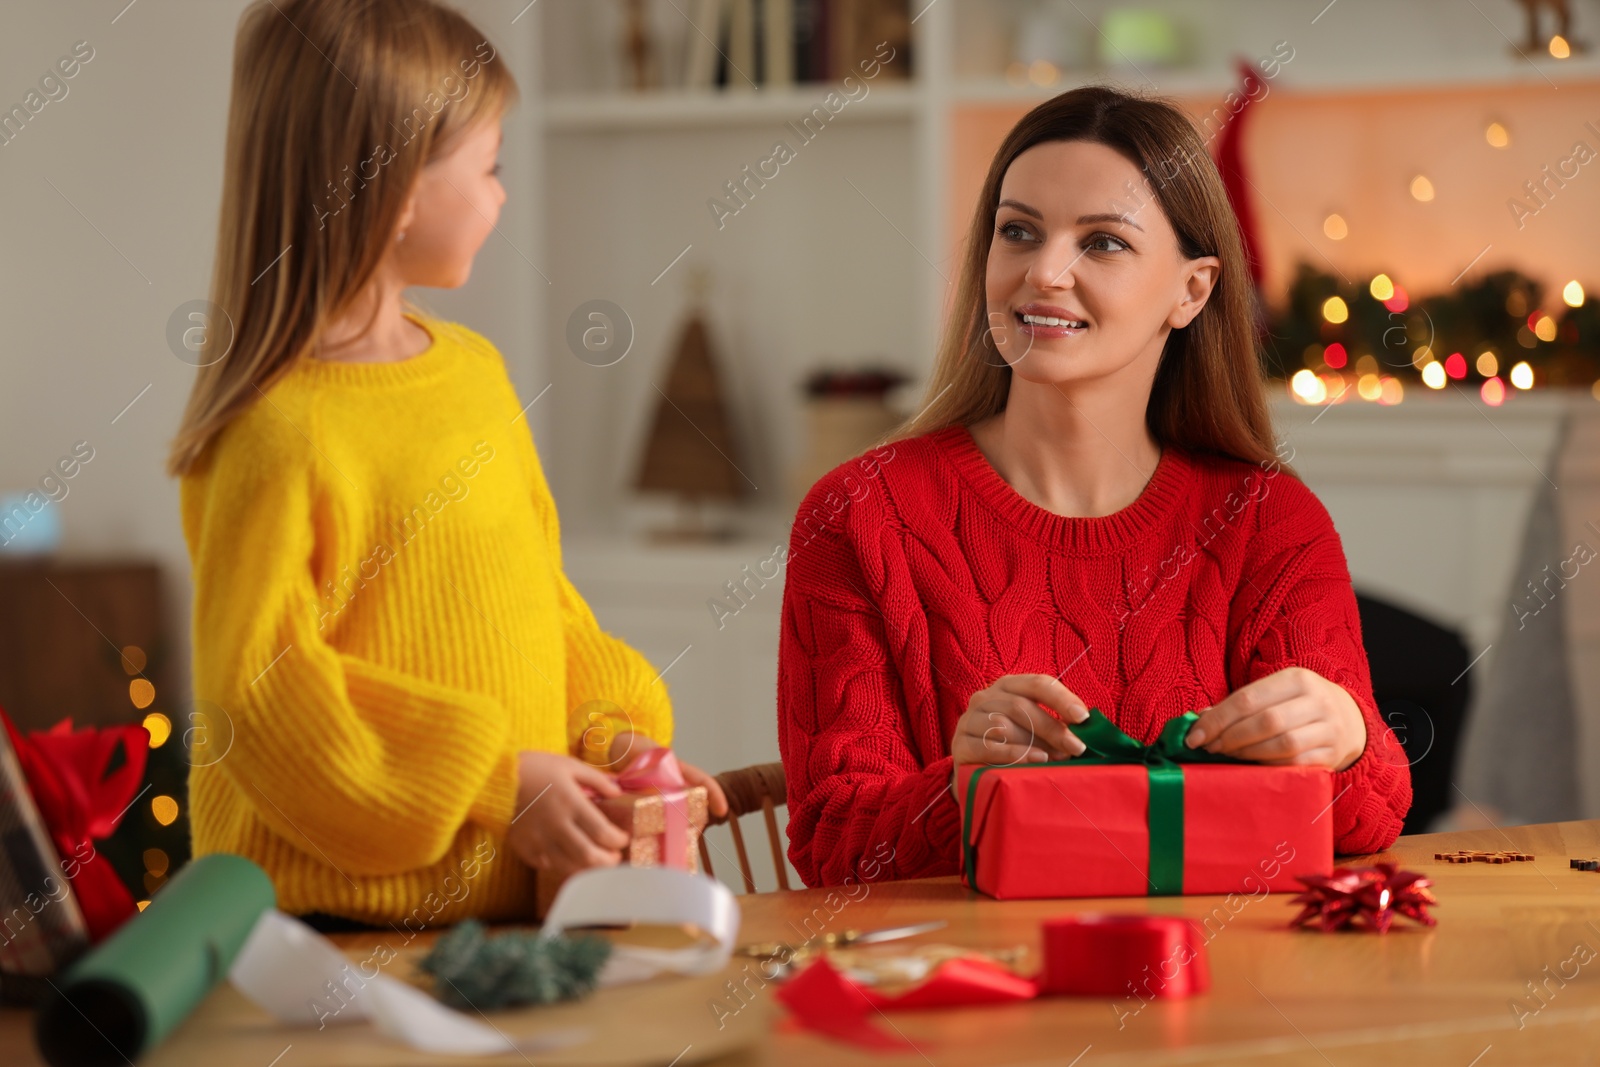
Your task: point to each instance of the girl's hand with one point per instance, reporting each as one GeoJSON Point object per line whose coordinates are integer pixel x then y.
{"type": "Point", "coordinates": [557, 827]}
{"type": "Point", "coordinates": [628, 746]}
{"type": "Point", "coordinates": [1293, 716]}
{"type": "Point", "coordinates": [1004, 723]}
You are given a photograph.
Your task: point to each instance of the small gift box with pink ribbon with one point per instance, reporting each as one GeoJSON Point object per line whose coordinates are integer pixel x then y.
{"type": "Point", "coordinates": [662, 813]}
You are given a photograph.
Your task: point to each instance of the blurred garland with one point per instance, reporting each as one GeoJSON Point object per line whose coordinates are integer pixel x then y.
{"type": "Point", "coordinates": [1491, 313]}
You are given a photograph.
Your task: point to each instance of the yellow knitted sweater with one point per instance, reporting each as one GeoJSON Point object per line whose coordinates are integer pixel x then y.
{"type": "Point", "coordinates": [381, 622]}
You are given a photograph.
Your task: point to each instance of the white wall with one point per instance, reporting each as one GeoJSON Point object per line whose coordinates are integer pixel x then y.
{"type": "Point", "coordinates": [109, 217]}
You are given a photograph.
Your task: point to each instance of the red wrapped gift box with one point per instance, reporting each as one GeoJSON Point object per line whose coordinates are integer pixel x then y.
{"type": "Point", "coordinates": [1083, 827]}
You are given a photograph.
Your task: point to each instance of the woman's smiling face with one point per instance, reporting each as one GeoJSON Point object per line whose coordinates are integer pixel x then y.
{"type": "Point", "coordinates": [1079, 236]}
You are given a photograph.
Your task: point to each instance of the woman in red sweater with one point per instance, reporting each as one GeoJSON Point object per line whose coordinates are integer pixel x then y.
{"type": "Point", "coordinates": [1090, 511]}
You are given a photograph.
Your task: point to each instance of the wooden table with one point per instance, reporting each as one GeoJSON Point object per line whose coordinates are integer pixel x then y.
{"type": "Point", "coordinates": [1462, 993]}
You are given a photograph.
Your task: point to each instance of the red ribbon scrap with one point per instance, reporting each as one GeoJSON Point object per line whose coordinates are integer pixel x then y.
{"type": "Point", "coordinates": [1084, 955]}
{"type": "Point", "coordinates": [79, 802]}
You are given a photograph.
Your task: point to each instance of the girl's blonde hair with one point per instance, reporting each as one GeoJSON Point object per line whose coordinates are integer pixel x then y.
{"type": "Point", "coordinates": [1208, 391]}
{"type": "Point", "coordinates": [336, 107]}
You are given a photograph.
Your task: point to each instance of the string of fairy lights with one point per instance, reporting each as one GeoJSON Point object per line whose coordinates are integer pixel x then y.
{"type": "Point", "coordinates": [1330, 376]}
{"type": "Point", "coordinates": [163, 809]}
{"type": "Point", "coordinates": [1368, 344]}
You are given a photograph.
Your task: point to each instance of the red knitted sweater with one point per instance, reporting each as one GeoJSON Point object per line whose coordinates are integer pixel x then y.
{"type": "Point", "coordinates": [917, 576]}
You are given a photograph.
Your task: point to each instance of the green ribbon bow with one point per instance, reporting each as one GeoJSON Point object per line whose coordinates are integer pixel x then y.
{"type": "Point", "coordinates": [1104, 743]}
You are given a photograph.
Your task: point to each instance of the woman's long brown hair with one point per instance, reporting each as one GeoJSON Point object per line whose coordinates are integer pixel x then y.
{"type": "Point", "coordinates": [1208, 395]}
{"type": "Point", "coordinates": [336, 107]}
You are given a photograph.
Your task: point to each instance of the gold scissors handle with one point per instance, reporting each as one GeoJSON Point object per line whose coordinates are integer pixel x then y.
{"type": "Point", "coordinates": [834, 939]}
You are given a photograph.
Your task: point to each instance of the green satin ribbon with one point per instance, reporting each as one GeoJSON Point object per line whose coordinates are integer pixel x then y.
{"type": "Point", "coordinates": [1163, 759]}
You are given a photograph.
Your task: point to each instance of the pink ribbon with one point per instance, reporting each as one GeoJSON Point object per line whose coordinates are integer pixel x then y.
{"type": "Point", "coordinates": [656, 771]}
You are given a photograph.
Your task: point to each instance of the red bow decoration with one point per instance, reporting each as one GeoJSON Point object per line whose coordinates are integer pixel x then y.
{"type": "Point", "coordinates": [1367, 897]}
{"type": "Point", "coordinates": [80, 803]}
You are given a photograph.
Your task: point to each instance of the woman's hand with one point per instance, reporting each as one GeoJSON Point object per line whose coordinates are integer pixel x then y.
{"type": "Point", "coordinates": [1004, 724]}
{"type": "Point", "coordinates": [628, 746]}
{"type": "Point", "coordinates": [557, 827]}
{"type": "Point", "coordinates": [1293, 716]}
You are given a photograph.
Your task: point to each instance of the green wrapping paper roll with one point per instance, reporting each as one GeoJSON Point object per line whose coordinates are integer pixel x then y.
{"type": "Point", "coordinates": [123, 997]}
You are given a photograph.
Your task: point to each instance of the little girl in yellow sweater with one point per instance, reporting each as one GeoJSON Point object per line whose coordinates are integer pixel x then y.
{"type": "Point", "coordinates": [405, 697]}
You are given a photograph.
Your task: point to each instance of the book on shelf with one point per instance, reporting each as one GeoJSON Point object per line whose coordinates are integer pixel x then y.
{"type": "Point", "coordinates": [778, 36]}
{"type": "Point", "coordinates": [741, 71]}
{"type": "Point", "coordinates": [700, 68]}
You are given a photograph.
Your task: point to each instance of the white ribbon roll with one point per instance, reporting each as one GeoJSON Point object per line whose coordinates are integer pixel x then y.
{"type": "Point", "coordinates": [658, 896]}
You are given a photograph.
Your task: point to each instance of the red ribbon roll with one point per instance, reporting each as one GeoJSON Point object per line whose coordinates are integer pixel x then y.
{"type": "Point", "coordinates": [1107, 955]}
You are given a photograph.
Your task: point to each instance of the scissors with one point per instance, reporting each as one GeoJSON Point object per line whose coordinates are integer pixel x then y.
{"type": "Point", "coordinates": [839, 939]}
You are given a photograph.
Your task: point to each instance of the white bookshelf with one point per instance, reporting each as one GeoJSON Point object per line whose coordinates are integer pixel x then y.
{"type": "Point", "coordinates": [846, 255]}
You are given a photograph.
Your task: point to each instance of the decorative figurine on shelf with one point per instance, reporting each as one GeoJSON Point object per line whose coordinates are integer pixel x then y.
{"type": "Point", "coordinates": [690, 451]}
{"type": "Point", "coordinates": [1539, 41]}
{"type": "Point", "coordinates": [1050, 38]}
{"type": "Point", "coordinates": [639, 50]}
{"type": "Point", "coordinates": [1134, 38]}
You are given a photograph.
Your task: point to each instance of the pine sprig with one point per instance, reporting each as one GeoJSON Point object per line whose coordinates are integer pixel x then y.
{"type": "Point", "coordinates": [473, 970]}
